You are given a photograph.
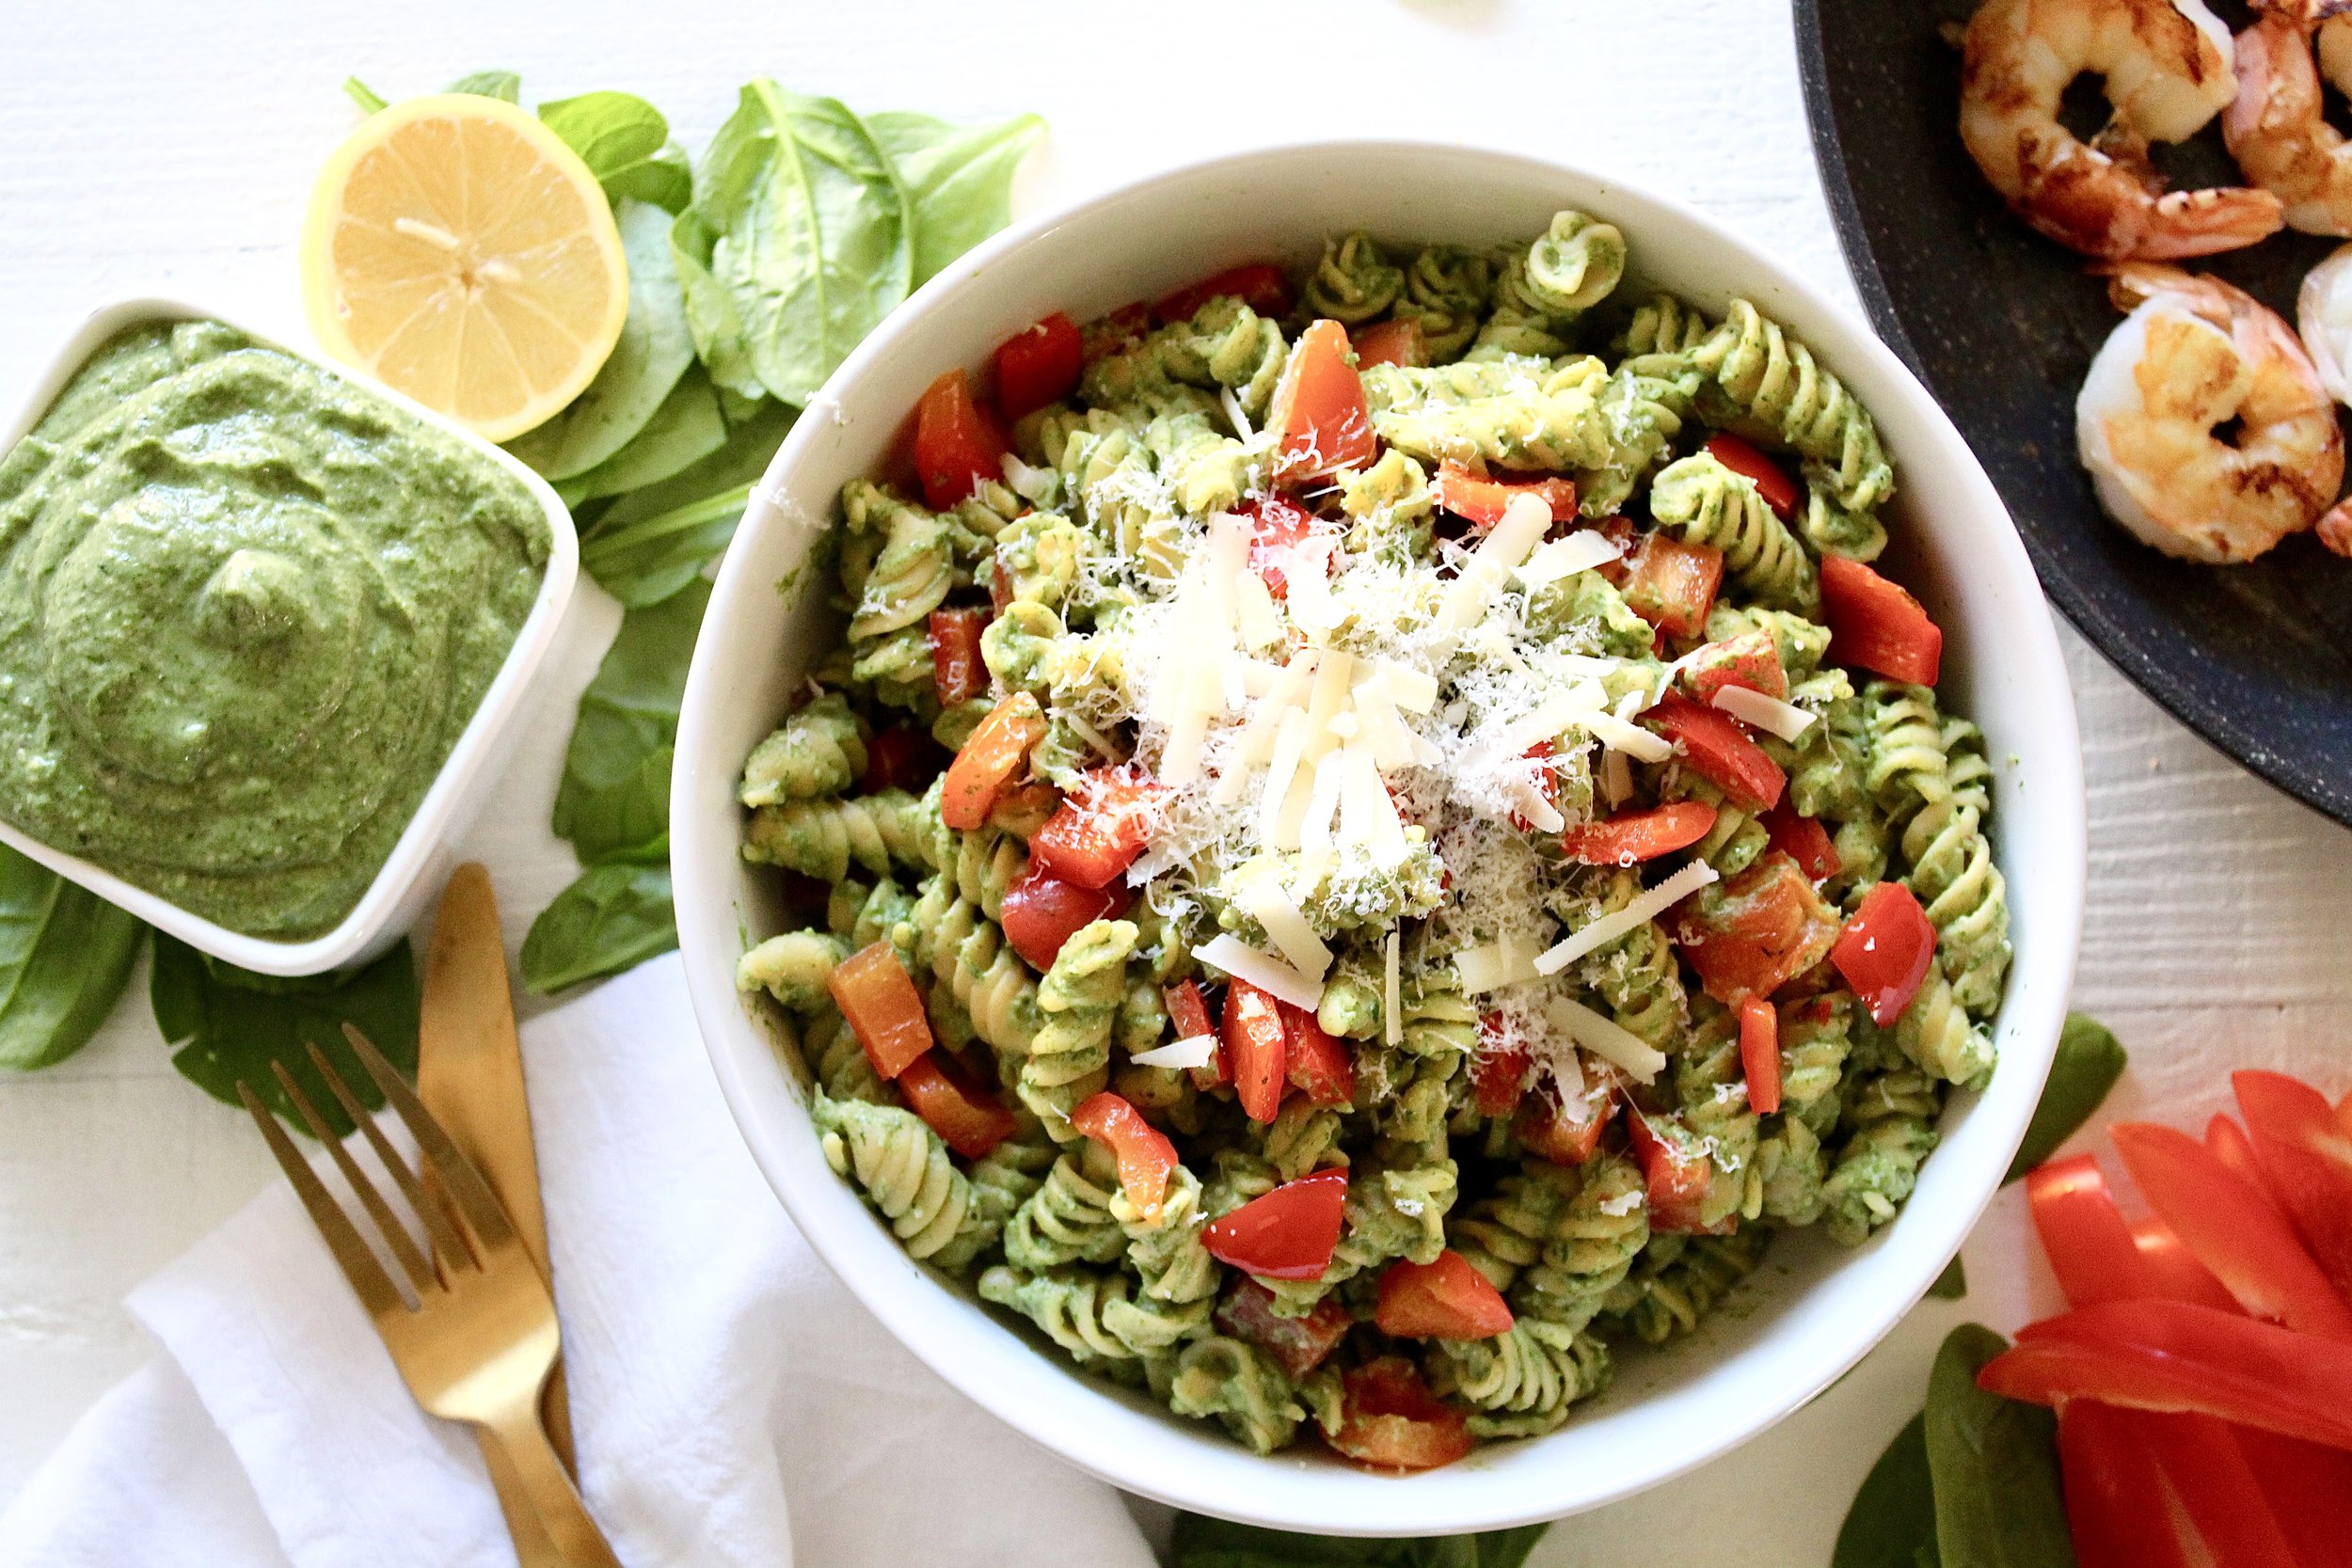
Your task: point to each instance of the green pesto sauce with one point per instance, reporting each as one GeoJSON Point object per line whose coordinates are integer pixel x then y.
{"type": "Point", "coordinates": [246, 609]}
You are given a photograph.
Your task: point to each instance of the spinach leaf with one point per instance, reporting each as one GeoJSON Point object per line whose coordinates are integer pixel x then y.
{"type": "Point", "coordinates": [1995, 1465]}
{"type": "Point", "coordinates": [625, 143]}
{"type": "Point", "coordinates": [229, 1025]}
{"type": "Point", "coordinates": [1200, 1541]}
{"type": "Point", "coordinates": [684, 430]}
{"type": "Point", "coordinates": [613, 918]}
{"type": "Point", "coordinates": [65, 954]}
{"type": "Point", "coordinates": [2089, 1060]}
{"type": "Point", "coordinates": [490, 83]}
{"type": "Point", "coordinates": [957, 178]}
{"type": "Point", "coordinates": [614, 802]}
{"type": "Point", "coordinates": [363, 95]}
{"type": "Point", "coordinates": [1952, 1284]}
{"type": "Point", "coordinates": [652, 541]}
{"type": "Point", "coordinates": [655, 350]}
{"type": "Point", "coordinates": [799, 242]}
{"type": "Point", "coordinates": [1892, 1523]}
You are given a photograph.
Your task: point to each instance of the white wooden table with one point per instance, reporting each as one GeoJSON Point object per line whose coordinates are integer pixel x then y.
{"type": "Point", "coordinates": [161, 143]}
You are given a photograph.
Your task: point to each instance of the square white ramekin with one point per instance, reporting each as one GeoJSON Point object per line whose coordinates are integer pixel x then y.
{"type": "Point", "coordinates": [412, 873]}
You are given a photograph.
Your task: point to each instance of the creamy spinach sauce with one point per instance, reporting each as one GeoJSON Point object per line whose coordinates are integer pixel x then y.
{"type": "Point", "coordinates": [246, 609]}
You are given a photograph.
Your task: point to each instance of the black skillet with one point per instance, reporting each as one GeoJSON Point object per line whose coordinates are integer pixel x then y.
{"type": "Point", "coordinates": [2001, 324]}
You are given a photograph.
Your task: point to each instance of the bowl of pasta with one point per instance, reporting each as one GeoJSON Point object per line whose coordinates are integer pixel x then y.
{"type": "Point", "coordinates": [1382, 837]}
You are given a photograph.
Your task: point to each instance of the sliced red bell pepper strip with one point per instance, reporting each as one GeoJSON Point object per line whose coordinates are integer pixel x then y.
{"type": "Point", "coordinates": [1041, 911]}
{"type": "Point", "coordinates": [2227, 1143]}
{"type": "Point", "coordinates": [1779, 491]}
{"type": "Point", "coordinates": [1874, 624]}
{"type": "Point", "coordinates": [1189, 1013]}
{"type": "Point", "coordinates": [1719, 751]}
{"type": "Point", "coordinates": [1885, 950]}
{"type": "Point", "coordinates": [966, 1117]}
{"type": "Point", "coordinates": [1314, 1064]}
{"type": "Point", "coordinates": [1247, 1312]}
{"type": "Point", "coordinates": [2309, 1492]}
{"type": "Point", "coordinates": [1803, 839]}
{"type": "Point", "coordinates": [1634, 836]}
{"type": "Point", "coordinates": [2112, 1487]}
{"type": "Point", "coordinates": [1759, 1053]}
{"type": "Point", "coordinates": [1751, 659]}
{"type": "Point", "coordinates": [901, 758]}
{"type": "Point", "coordinates": [1146, 1158]}
{"type": "Point", "coordinates": [1285, 1234]}
{"type": "Point", "coordinates": [1389, 1420]}
{"type": "Point", "coordinates": [1039, 365]}
{"type": "Point", "coordinates": [2306, 1164]}
{"type": "Point", "coordinates": [1256, 1049]}
{"type": "Point", "coordinates": [958, 446]}
{"type": "Point", "coordinates": [958, 673]}
{"type": "Point", "coordinates": [2173, 1271]}
{"type": "Point", "coordinates": [2207, 1471]}
{"type": "Point", "coordinates": [1443, 1299]}
{"type": "Point", "coordinates": [877, 999]}
{"type": "Point", "coordinates": [2083, 1234]}
{"type": "Point", "coordinates": [993, 753]}
{"type": "Point", "coordinates": [1319, 415]}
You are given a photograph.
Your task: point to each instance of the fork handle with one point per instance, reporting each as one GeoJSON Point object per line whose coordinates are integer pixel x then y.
{"type": "Point", "coordinates": [565, 1518]}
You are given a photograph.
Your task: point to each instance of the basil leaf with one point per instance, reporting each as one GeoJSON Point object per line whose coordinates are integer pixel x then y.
{"type": "Point", "coordinates": [1200, 1541]}
{"type": "Point", "coordinates": [1892, 1523]}
{"type": "Point", "coordinates": [683, 430]}
{"type": "Point", "coordinates": [655, 350]}
{"type": "Point", "coordinates": [652, 541]}
{"type": "Point", "coordinates": [613, 918]}
{"type": "Point", "coordinates": [228, 1025]}
{"type": "Point", "coordinates": [800, 221]}
{"type": "Point", "coordinates": [2089, 1060]}
{"type": "Point", "coordinates": [625, 143]}
{"type": "Point", "coordinates": [1995, 1465]}
{"type": "Point", "coordinates": [490, 83]}
{"type": "Point", "coordinates": [363, 95]}
{"type": "Point", "coordinates": [614, 802]}
{"type": "Point", "coordinates": [958, 179]}
{"type": "Point", "coordinates": [1952, 1284]}
{"type": "Point", "coordinates": [65, 954]}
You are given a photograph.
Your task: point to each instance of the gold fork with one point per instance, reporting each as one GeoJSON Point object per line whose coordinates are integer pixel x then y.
{"type": "Point", "coordinates": [479, 1343]}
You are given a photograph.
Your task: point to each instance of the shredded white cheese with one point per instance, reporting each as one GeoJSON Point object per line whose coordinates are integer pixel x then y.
{"type": "Point", "coordinates": [1750, 706]}
{"type": "Point", "coordinates": [1620, 735]}
{"type": "Point", "coordinates": [1267, 903]}
{"type": "Point", "coordinates": [1647, 906]}
{"type": "Point", "coordinates": [1262, 969]}
{"type": "Point", "coordinates": [1192, 1051]}
{"type": "Point", "coordinates": [1391, 991]}
{"type": "Point", "coordinates": [1605, 1038]}
{"type": "Point", "coordinates": [1562, 558]}
{"type": "Point", "coordinates": [1509, 960]}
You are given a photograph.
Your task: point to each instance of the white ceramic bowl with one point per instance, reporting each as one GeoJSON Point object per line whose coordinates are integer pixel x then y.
{"type": "Point", "coordinates": [1814, 1308]}
{"type": "Point", "coordinates": [413, 873]}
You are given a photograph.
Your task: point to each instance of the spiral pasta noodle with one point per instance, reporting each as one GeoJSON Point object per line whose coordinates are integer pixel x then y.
{"type": "Point", "coordinates": [1448, 289]}
{"type": "Point", "coordinates": [1524, 1378]}
{"type": "Point", "coordinates": [967, 953]}
{"type": "Point", "coordinates": [1636, 975]}
{"type": "Point", "coordinates": [819, 751]}
{"type": "Point", "coordinates": [1772, 379]}
{"type": "Point", "coordinates": [905, 1172]}
{"type": "Point", "coordinates": [793, 968]}
{"type": "Point", "coordinates": [1354, 281]}
{"type": "Point", "coordinates": [837, 1062]}
{"type": "Point", "coordinates": [1702, 503]}
{"type": "Point", "coordinates": [1504, 1232]}
{"type": "Point", "coordinates": [1512, 412]}
{"type": "Point", "coordinates": [1239, 1385]}
{"type": "Point", "coordinates": [1069, 1058]}
{"type": "Point", "coordinates": [825, 838]}
{"type": "Point", "coordinates": [1066, 1219]}
{"type": "Point", "coordinates": [1679, 1286]}
{"type": "Point", "coordinates": [1589, 1249]}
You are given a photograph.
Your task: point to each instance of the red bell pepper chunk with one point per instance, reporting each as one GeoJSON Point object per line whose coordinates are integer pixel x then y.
{"type": "Point", "coordinates": [1041, 911]}
{"type": "Point", "coordinates": [2173, 1271]}
{"type": "Point", "coordinates": [1481, 502]}
{"type": "Point", "coordinates": [1803, 839]}
{"type": "Point", "coordinates": [2217, 1488]}
{"type": "Point", "coordinates": [1633, 837]}
{"type": "Point", "coordinates": [1319, 413]}
{"type": "Point", "coordinates": [1886, 949]}
{"type": "Point", "coordinates": [1759, 1053]}
{"type": "Point", "coordinates": [1779, 491]}
{"type": "Point", "coordinates": [2111, 1479]}
{"type": "Point", "coordinates": [1443, 1299]}
{"type": "Point", "coordinates": [1277, 526]}
{"type": "Point", "coordinates": [2084, 1236]}
{"type": "Point", "coordinates": [1316, 1064]}
{"type": "Point", "coordinates": [958, 446]}
{"type": "Point", "coordinates": [1751, 659]}
{"type": "Point", "coordinates": [2309, 1489]}
{"type": "Point", "coordinates": [1392, 343]}
{"type": "Point", "coordinates": [2227, 1142]}
{"type": "Point", "coordinates": [1102, 827]}
{"type": "Point", "coordinates": [1189, 1013]}
{"type": "Point", "coordinates": [1717, 748]}
{"type": "Point", "coordinates": [1256, 1049]}
{"type": "Point", "coordinates": [1876, 624]}
{"type": "Point", "coordinates": [1545, 1127]}
{"type": "Point", "coordinates": [1285, 1234]}
{"type": "Point", "coordinates": [1039, 365]}
{"type": "Point", "coordinates": [2343, 1111]}
{"type": "Point", "coordinates": [901, 758]}
{"type": "Point", "coordinates": [1498, 1067]}
{"type": "Point", "coordinates": [993, 752]}
{"type": "Point", "coordinates": [2306, 1161]}
{"type": "Point", "coordinates": [1389, 1420]}
{"type": "Point", "coordinates": [958, 673]}
{"type": "Point", "coordinates": [1247, 1312]}
{"type": "Point", "coordinates": [1754, 933]}
{"type": "Point", "coordinates": [966, 1117]}
{"type": "Point", "coordinates": [1261, 285]}
{"type": "Point", "coordinates": [877, 999]}
{"type": "Point", "coordinates": [1146, 1158]}
{"type": "Point", "coordinates": [1671, 585]}
{"type": "Point", "coordinates": [2233, 1230]}
{"type": "Point", "coordinates": [2172, 1356]}
{"type": "Point", "coordinates": [1677, 1168]}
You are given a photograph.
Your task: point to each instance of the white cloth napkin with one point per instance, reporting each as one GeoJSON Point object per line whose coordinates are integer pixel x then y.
{"type": "Point", "coordinates": [734, 1405]}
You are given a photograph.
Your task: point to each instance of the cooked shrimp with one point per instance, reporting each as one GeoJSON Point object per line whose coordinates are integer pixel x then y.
{"type": "Point", "coordinates": [2168, 69]}
{"type": "Point", "coordinates": [2323, 316]}
{"type": "Point", "coordinates": [2193, 354]}
{"type": "Point", "coordinates": [2275, 129]}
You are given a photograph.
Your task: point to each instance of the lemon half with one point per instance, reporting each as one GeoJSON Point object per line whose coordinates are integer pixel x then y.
{"type": "Point", "coordinates": [459, 252]}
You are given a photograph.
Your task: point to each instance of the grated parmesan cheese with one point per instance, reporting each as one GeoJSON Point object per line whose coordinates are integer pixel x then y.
{"type": "Point", "coordinates": [1605, 1038]}
{"type": "Point", "coordinates": [1391, 990]}
{"type": "Point", "coordinates": [1264, 902]}
{"type": "Point", "coordinates": [1647, 906]}
{"type": "Point", "coordinates": [1262, 969]}
{"type": "Point", "coordinates": [1619, 734]}
{"type": "Point", "coordinates": [1510, 960]}
{"type": "Point", "coordinates": [1563, 558]}
{"type": "Point", "coordinates": [1192, 1051]}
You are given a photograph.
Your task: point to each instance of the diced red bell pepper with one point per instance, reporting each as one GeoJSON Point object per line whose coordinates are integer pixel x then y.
{"type": "Point", "coordinates": [2233, 1230]}
{"type": "Point", "coordinates": [877, 999]}
{"type": "Point", "coordinates": [1285, 1234]}
{"type": "Point", "coordinates": [1754, 933]}
{"type": "Point", "coordinates": [2305, 1158]}
{"type": "Point", "coordinates": [1389, 1420]}
{"type": "Point", "coordinates": [1759, 1053]}
{"type": "Point", "coordinates": [1498, 1067]}
{"type": "Point", "coordinates": [1102, 826]}
{"type": "Point", "coordinates": [1875, 625]}
{"type": "Point", "coordinates": [958, 673]}
{"type": "Point", "coordinates": [1679, 1172]}
{"type": "Point", "coordinates": [1772, 483]}
{"type": "Point", "coordinates": [1392, 343]}
{"type": "Point", "coordinates": [1717, 748]}
{"type": "Point", "coordinates": [1039, 365]}
{"type": "Point", "coordinates": [1671, 585]}
{"type": "Point", "coordinates": [1041, 911]}
{"type": "Point", "coordinates": [1316, 1064]}
{"type": "Point", "coordinates": [1189, 1013]}
{"type": "Point", "coordinates": [1256, 1049]}
{"type": "Point", "coordinates": [966, 1117]}
{"type": "Point", "coordinates": [1115, 331]}
{"type": "Point", "coordinates": [1545, 1129]}
{"type": "Point", "coordinates": [2110, 1479]}
{"type": "Point", "coordinates": [1261, 285]}
{"type": "Point", "coordinates": [1886, 949]}
{"type": "Point", "coordinates": [1633, 837]}
{"type": "Point", "coordinates": [2173, 1271]}
{"type": "Point", "coordinates": [993, 752]}
{"type": "Point", "coordinates": [2172, 1356]}
{"type": "Point", "coordinates": [958, 446]}
{"type": "Point", "coordinates": [1319, 415]}
{"type": "Point", "coordinates": [1277, 526]}
{"type": "Point", "coordinates": [1442, 1298]}
{"type": "Point", "coordinates": [1146, 1158]}
{"type": "Point", "coordinates": [1479, 501]}
{"type": "Point", "coordinates": [901, 758]}
{"type": "Point", "coordinates": [1803, 839]}
{"type": "Point", "coordinates": [1751, 659]}
{"type": "Point", "coordinates": [1247, 1312]}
